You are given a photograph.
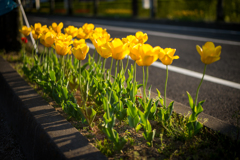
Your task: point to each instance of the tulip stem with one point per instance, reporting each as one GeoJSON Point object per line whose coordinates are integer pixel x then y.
{"type": "Point", "coordinates": [165, 90]}
{"type": "Point", "coordinates": [146, 79]}
{"type": "Point", "coordinates": [99, 58]}
{"type": "Point", "coordinates": [144, 87]}
{"type": "Point", "coordinates": [134, 82]}
{"type": "Point", "coordinates": [103, 66]}
{"type": "Point", "coordinates": [94, 54]}
{"type": "Point", "coordinates": [63, 66]}
{"type": "Point", "coordinates": [126, 65]}
{"type": "Point", "coordinates": [196, 99]}
{"type": "Point", "coordinates": [80, 76]}
{"type": "Point", "coordinates": [114, 80]}
{"type": "Point", "coordinates": [110, 71]}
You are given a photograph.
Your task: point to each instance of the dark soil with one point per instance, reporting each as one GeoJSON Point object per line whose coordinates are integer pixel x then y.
{"type": "Point", "coordinates": [9, 147]}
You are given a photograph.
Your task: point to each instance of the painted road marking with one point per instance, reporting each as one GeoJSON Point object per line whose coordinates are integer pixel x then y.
{"type": "Point", "coordinates": [190, 73]}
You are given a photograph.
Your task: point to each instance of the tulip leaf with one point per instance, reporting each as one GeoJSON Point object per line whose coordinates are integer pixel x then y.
{"type": "Point", "coordinates": [190, 101]}
{"type": "Point", "coordinates": [65, 92]}
{"type": "Point", "coordinates": [139, 85]}
{"type": "Point", "coordinates": [52, 76]}
{"type": "Point", "coordinates": [149, 91]}
{"type": "Point", "coordinates": [197, 128]}
{"type": "Point", "coordinates": [138, 127]}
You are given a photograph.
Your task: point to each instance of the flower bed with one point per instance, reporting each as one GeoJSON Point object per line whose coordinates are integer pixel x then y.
{"type": "Point", "coordinates": [118, 120]}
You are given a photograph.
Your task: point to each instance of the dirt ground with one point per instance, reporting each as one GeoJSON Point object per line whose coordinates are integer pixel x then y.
{"type": "Point", "coordinates": [9, 148]}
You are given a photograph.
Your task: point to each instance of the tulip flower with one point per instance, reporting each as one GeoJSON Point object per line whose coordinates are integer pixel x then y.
{"type": "Point", "coordinates": [118, 49]}
{"type": "Point", "coordinates": [134, 52]}
{"type": "Point", "coordinates": [25, 30]}
{"type": "Point", "coordinates": [62, 48]}
{"type": "Point", "coordinates": [148, 54]}
{"type": "Point", "coordinates": [47, 39]}
{"type": "Point", "coordinates": [131, 40]}
{"type": "Point", "coordinates": [24, 39]}
{"type": "Point", "coordinates": [78, 42]}
{"type": "Point", "coordinates": [71, 30]}
{"type": "Point", "coordinates": [209, 53]}
{"type": "Point", "coordinates": [57, 28]}
{"type": "Point", "coordinates": [167, 55]}
{"type": "Point", "coordinates": [80, 51]}
{"type": "Point", "coordinates": [85, 31]}
{"type": "Point", "coordinates": [64, 37]}
{"type": "Point", "coordinates": [142, 37]}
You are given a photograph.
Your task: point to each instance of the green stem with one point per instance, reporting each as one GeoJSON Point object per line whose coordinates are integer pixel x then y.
{"type": "Point", "coordinates": [114, 80]}
{"type": "Point", "coordinates": [146, 81]}
{"type": "Point", "coordinates": [126, 65]}
{"type": "Point", "coordinates": [99, 58]}
{"type": "Point", "coordinates": [94, 54]}
{"type": "Point", "coordinates": [196, 99]}
{"type": "Point", "coordinates": [80, 76]}
{"type": "Point", "coordinates": [103, 67]}
{"type": "Point", "coordinates": [144, 87]}
{"type": "Point", "coordinates": [63, 67]}
{"type": "Point", "coordinates": [110, 70]}
{"type": "Point", "coordinates": [165, 90]}
{"type": "Point", "coordinates": [135, 71]}
{"type": "Point", "coordinates": [134, 82]}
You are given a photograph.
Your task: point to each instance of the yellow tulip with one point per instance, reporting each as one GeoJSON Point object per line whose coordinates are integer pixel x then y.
{"type": "Point", "coordinates": [80, 51]}
{"type": "Point", "coordinates": [167, 55]}
{"type": "Point", "coordinates": [35, 36]}
{"type": "Point", "coordinates": [25, 30]}
{"type": "Point", "coordinates": [57, 28]}
{"type": "Point", "coordinates": [118, 49]}
{"type": "Point", "coordinates": [142, 37]}
{"type": "Point", "coordinates": [62, 48]}
{"type": "Point", "coordinates": [209, 53]}
{"type": "Point", "coordinates": [78, 42]}
{"type": "Point", "coordinates": [64, 37]}
{"type": "Point", "coordinates": [71, 30]}
{"type": "Point", "coordinates": [85, 31]}
{"type": "Point", "coordinates": [131, 40]}
{"type": "Point", "coordinates": [88, 28]}
{"type": "Point", "coordinates": [47, 39]}
{"type": "Point", "coordinates": [134, 52]}
{"type": "Point", "coordinates": [37, 28]}
{"type": "Point", "coordinates": [148, 54]}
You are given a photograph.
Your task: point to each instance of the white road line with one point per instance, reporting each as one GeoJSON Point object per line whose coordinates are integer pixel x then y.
{"type": "Point", "coordinates": [160, 34]}
{"type": "Point", "coordinates": [191, 73]}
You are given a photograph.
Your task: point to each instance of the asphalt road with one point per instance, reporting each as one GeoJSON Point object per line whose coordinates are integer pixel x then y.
{"type": "Point", "coordinates": [222, 100]}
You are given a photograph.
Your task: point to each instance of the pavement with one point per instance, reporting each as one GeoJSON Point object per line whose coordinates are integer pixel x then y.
{"type": "Point", "coordinates": [221, 87]}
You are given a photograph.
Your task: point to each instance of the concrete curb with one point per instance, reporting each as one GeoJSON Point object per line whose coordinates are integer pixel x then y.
{"type": "Point", "coordinates": [41, 131]}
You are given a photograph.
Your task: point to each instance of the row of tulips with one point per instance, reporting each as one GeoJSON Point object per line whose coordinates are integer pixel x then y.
{"type": "Point", "coordinates": [84, 93]}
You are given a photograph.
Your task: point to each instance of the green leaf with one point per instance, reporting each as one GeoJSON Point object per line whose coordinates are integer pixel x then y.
{"type": "Point", "coordinates": [197, 128]}
{"type": "Point", "coordinates": [192, 118]}
{"type": "Point", "coordinates": [159, 94]}
{"type": "Point", "coordinates": [190, 101]}
{"type": "Point", "coordinates": [138, 127]}
{"type": "Point", "coordinates": [65, 93]}
{"type": "Point", "coordinates": [139, 85]}
{"type": "Point", "coordinates": [84, 66]}
{"type": "Point", "coordinates": [199, 109]}
{"type": "Point", "coordinates": [52, 76]}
